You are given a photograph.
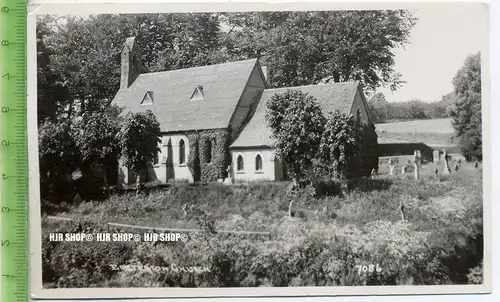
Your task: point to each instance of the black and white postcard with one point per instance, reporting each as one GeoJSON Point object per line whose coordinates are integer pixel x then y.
{"type": "Point", "coordinates": [236, 150]}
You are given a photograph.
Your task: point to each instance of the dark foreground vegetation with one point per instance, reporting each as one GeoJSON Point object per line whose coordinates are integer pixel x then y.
{"type": "Point", "coordinates": [441, 242]}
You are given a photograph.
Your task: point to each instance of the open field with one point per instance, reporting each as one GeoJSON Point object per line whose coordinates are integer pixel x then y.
{"type": "Point", "coordinates": [436, 132]}
{"type": "Point", "coordinates": [442, 126]}
{"type": "Point", "coordinates": [439, 243]}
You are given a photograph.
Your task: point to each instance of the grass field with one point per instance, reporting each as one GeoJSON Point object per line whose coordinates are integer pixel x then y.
{"type": "Point", "coordinates": [439, 243]}
{"type": "Point", "coordinates": [442, 126]}
{"type": "Point", "coordinates": [436, 132]}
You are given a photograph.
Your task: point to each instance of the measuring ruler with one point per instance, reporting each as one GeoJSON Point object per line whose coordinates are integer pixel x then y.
{"type": "Point", "coordinates": [13, 153]}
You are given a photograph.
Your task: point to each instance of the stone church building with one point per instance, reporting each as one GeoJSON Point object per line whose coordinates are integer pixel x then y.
{"type": "Point", "coordinates": [212, 117]}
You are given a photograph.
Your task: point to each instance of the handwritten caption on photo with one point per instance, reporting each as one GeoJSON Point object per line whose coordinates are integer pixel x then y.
{"type": "Point", "coordinates": [119, 237]}
{"type": "Point", "coordinates": [161, 269]}
{"type": "Point", "coordinates": [368, 269]}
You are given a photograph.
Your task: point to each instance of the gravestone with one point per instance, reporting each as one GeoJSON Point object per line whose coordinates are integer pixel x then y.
{"type": "Point", "coordinates": [419, 157]}
{"type": "Point", "coordinates": [184, 210]}
{"type": "Point", "coordinates": [373, 173]}
{"type": "Point", "coordinates": [391, 167]}
{"type": "Point", "coordinates": [229, 180]}
{"type": "Point", "coordinates": [446, 158]}
{"type": "Point", "coordinates": [416, 164]}
{"type": "Point", "coordinates": [402, 210]}
{"type": "Point", "coordinates": [77, 199]}
{"type": "Point", "coordinates": [436, 156]}
{"type": "Point", "coordinates": [292, 209]}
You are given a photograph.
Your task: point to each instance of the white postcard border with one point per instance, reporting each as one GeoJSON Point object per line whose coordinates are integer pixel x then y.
{"type": "Point", "coordinates": [89, 7]}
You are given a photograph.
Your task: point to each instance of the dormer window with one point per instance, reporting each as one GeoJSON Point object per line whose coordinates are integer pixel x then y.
{"type": "Point", "coordinates": [148, 98]}
{"type": "Point", "coordinates": [197, 93]}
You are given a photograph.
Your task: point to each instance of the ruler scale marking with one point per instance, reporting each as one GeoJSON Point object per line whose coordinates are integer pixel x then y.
{"type": "Point", "coordinates": [13, 153]}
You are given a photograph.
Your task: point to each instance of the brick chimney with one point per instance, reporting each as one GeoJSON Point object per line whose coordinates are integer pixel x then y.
{"type": "Point", "coordinates": [131, 63]}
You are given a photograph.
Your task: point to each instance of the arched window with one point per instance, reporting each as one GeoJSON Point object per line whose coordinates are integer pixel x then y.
{"type": "Point", "coordinates": [358, 116]}
{"type": "Point", "coordinates": [239, 163]}
{"type": "Point", "coordinates": [208, 151]}
{"type": "Point", "coordinates": [182, 152]}
{"type": "Point", "coordinates": [258, 163]}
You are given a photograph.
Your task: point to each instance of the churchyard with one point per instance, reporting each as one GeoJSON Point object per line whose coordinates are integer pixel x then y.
{"type": "Point", "coordinates": [244, 236]}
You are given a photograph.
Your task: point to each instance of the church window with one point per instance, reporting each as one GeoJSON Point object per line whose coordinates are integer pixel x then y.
{"type": "Point", "coordinates": [208, 150]}
{"type": "Point", "coordinates": [182, 152]}
{"type": "Point", "coordinates": [240, 163]}
{"type": "Point", "coordinates": [258, 163]}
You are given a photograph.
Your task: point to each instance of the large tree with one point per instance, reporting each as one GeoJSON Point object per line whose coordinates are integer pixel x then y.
{"type": "Point", "coordinates": [466, 113]}
{"type": "Point", "coordinates": [51, 93]}
{"type": "Point", "coordinates": [58, 155]}
{"type": "Point", "coordinates": [377, 106]}
{"type": "Point", "coordinates": [311, 47]}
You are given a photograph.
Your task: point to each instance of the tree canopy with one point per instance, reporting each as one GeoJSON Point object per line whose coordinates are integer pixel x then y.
{"type": "Point", "coordinates": [79, 58]}
{"type": "Point", "coordinates": [466, 113]}
{"type": "Point", "coordinates": [303, 48]}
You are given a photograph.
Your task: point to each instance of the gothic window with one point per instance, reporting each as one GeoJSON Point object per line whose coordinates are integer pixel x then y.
{"type": "Point", "coordinates": [240, 163]}
{"type": "Point", "coordinates": [258, 163]}
{"type": "Point", "coordinates": [182, 152]}
{"type": "Point", "coordinates": [208, 150]}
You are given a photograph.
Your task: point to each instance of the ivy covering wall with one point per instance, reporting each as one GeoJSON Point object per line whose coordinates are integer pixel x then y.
{"type": "Point", "coordinates": [208, 154]}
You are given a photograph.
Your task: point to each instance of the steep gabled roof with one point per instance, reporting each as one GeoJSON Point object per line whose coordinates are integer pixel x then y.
{"type": "Point", "coordinates": [223, 85]}
{"type": "Point", "coordinates": [330, 97]}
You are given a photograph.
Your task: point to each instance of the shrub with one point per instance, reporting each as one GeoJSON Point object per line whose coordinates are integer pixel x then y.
{"type": "Point", "coordinates": [139, 139]}
{"type": "Point", "coordinates": [296, 123]}
{"type": "Point", "coordinates": [341, 146]}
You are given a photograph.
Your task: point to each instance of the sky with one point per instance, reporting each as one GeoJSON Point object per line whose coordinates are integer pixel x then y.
{"type": "Point", "coordinates": [439, 43]}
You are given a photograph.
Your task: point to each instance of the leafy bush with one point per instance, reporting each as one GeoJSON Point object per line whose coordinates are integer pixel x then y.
{"type": "Point", "coordinates": [341, 146]}
{"type": "Point", "coordinates": [139, 137]}
{"type": "Point", "coordinates": [96, 138]}
{"type": "Point", "coordinates": [297, 124]}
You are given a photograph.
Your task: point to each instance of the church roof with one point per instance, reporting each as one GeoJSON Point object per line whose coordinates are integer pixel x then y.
{"type": "Point", "coordinates": [217, 88]}
{"type": "Point", "coordinates": [330, 97]}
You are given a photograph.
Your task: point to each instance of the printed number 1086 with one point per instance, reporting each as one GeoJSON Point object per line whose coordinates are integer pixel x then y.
{"type": "Point", "coordinates": [363, 269]}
